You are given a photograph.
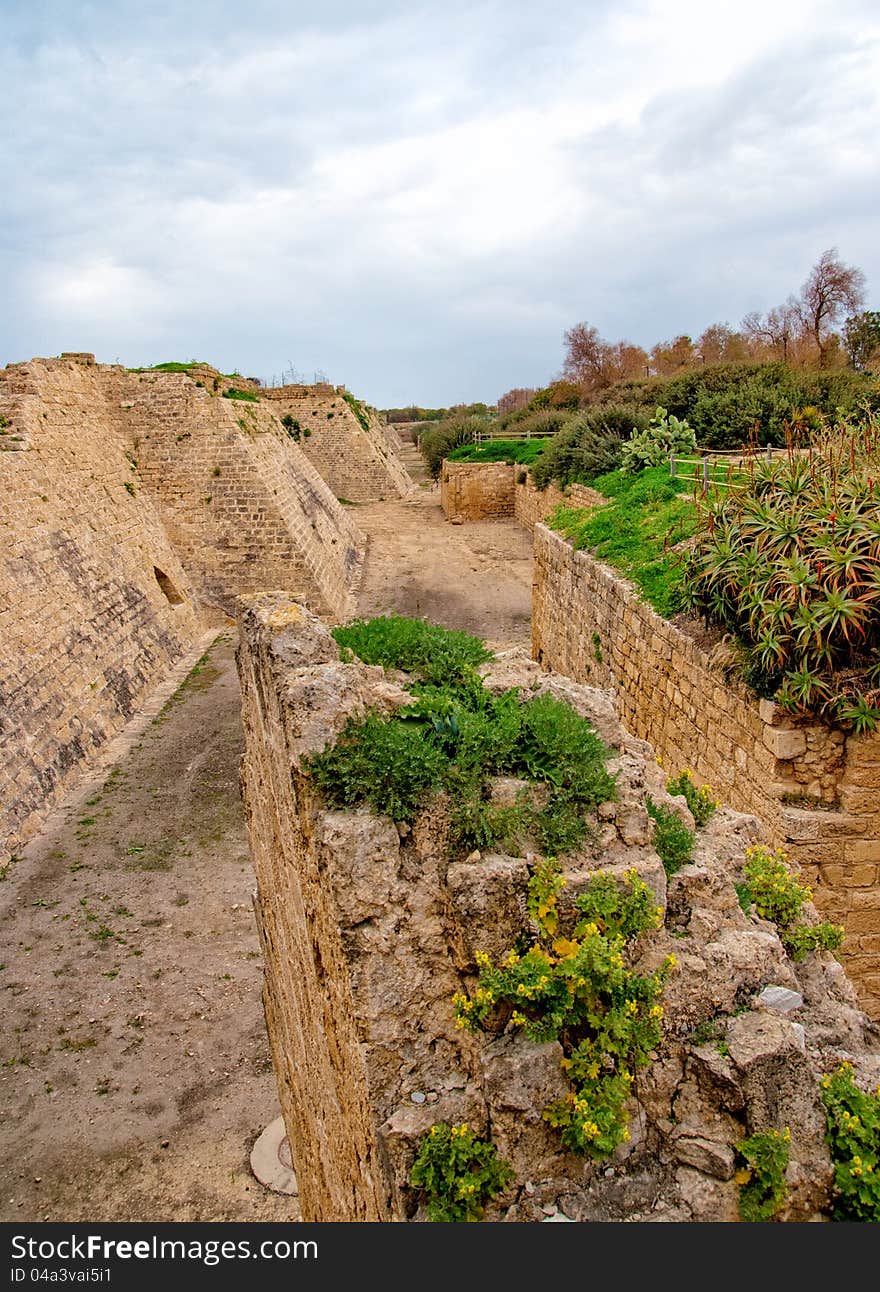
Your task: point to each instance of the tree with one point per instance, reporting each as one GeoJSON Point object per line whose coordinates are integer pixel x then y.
{"type": "Point", "coordinates": [517, 398]}
{"type": "Point", "coordinates": [669, 357]}
{"type": "Point", "coordinates": [777, 329]}
{"type": "Point", "coordinates": [595, 364]}
{"type": "Point", "coordinates": [831, 290]}
{"type": "Point", "coordinates": [861, 336]}
{"type": "Point", "coordinates": [720, 344]}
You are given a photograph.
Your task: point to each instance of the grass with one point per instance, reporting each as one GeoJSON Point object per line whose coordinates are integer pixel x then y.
{"type": "Point", "coordinates": [521, 452]}
{"type": "Point", "coordinates": [636, 530]}
{"type": "Point", "coordinates": [232, 392]}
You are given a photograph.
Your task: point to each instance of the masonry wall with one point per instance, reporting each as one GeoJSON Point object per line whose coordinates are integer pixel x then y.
{"type": "Point", "coordinates": [85, 625]}
{"type": "Point", "coordinates": [483, 490]}
{"type": "Point", "coordinates": [243, 506]}
{"type": "Point", "coordinates": [817, 789]}
{"type": "Point", "coordinates": [369, 928]}
{"type": "Point", "coordinates": [358, 462]}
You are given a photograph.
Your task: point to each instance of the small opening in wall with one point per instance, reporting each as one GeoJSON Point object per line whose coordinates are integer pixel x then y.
{"type": "Point", "coordinates": [168, 587]}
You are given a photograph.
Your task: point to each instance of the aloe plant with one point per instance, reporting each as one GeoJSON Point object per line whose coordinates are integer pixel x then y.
{"type": "Point", "coordinates": [790, 563]}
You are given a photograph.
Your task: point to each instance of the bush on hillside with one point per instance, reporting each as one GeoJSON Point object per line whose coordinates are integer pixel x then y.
{"type": "Point", "coordinates": [438, 442]}
{"type": "Point", "coordinates": [728, 404]}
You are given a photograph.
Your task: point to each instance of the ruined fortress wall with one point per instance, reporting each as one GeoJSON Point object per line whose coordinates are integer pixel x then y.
{"type": "Point", "coordinates": [355, 458]}
{"type": "Point", "coordinates": [476, 490]}
{"type": "Point", "coordinates": [369, 928]}
{"type": "Point", "coordinates": [531, 505]}
{"type": "Point", "coordinates": [242, 505]}
{"type": "Point", "coordinates": [816, 788]}
{"type": "Point", "coordinates": [483, 490]}
{"type": "Point", "coordinates": [86, 627]}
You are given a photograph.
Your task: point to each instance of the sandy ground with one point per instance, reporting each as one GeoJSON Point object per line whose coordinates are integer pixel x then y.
{"type": "Point", "coordinates": [134, 1066]}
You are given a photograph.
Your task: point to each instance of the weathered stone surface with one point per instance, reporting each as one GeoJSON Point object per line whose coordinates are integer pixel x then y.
{"type": "Point", "coordinates": [369, 930]}
{"type": "Point", "coordinates": [782, 999]}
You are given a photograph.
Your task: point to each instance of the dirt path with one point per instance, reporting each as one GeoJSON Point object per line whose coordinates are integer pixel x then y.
{"type": "Point", "coordinates": [476, 576]}
{"type": "Point", "coordinates": [134, 1065]}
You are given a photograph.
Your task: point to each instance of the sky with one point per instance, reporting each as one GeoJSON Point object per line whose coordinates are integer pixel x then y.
{"type": "Point", "coordinates": [418, 199]}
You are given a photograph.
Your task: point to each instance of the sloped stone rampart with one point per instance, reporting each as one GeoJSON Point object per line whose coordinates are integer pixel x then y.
{"type": "Point", "coordinates": [369, 928]}
{"type": "Point", "coordinates": [243, 505]}
{"type": "Point", "coordinates": [134, 508]}
{"type": "Point", "coordinates": [816, 787]}
{"type": "Point", "coordinates": [95, 606]}
{"type": "Point", "coordinates": [359, 462]}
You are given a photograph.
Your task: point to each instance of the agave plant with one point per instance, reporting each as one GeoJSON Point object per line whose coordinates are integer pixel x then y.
{"type": "Point", "coordinates": [790, 563]}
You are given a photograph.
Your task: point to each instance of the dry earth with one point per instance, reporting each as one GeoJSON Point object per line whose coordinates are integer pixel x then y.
{"type": "Point", "coordinates": [134, 1066]}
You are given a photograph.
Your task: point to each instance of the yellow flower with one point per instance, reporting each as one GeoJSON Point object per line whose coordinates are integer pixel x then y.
{"type": "Point", "coordinates": [482, 960]}
{"type": "Point", "coordinates": [656, 1011]}
{"type": "Point", "coordinates": [742, 1176]}
{"type": "Point", "coordinates": [631, 1007]}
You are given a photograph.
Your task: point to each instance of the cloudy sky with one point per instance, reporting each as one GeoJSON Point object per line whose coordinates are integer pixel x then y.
{"type": "Point", "coordinates": [419, 198]}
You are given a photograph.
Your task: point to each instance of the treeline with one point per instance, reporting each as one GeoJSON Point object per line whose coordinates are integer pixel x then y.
{"type": "Point", "coordinates": [416, 414]}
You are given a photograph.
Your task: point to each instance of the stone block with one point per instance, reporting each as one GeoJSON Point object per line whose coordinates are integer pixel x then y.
{"type": "Point", "coordinates": [784, 744]}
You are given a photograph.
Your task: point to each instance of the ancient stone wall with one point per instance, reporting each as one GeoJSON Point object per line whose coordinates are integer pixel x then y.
{"type": "Point", "coordinates": [242, 505]}
{"type": "Point", "coordinates": [369, 928]}
{"type": "Point", "coordinates": [358, 461]}
{"type": "Point", "coordinates": [134, 508]}
{"type": "Point", "coordinates": [531, 504]}
{"type": "Point", "coordinates": [817, 789]}
{"type": "Point", "coordinates": [483, 490]}
{"type": "Point", "coordinates": [476, 490]}
{"type": "Point", "coordinates": [95, 605]}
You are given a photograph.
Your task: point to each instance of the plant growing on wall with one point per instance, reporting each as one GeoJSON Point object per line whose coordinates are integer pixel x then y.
{"type": "Point", "coordinates": [779, 897]}
{"type": "Point", "coordinates": [579, 991]}
{"type": "Point", "coordinates": [763, 1160]}
{"type": "Point", "coordinates": [457, 1172]}
{"type": "Point", "coordinates": [853, 1136]}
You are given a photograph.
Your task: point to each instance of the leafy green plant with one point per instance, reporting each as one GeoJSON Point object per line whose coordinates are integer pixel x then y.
{"type": "Point", "coordinates": [700, 799]}
{"type": "Point", "coordinates": [129, 488]}
{"type": "Point", "coordinates": [588, 445]}
{"type": "Point", "coordinates": [853, 1134]}
{"type": "Point", "coordinates": [456, 736]}
{"type": "Point", "coordinates": [248, 396]}
{"type": "Point", "coordinates": [457, 1172]}
{"type": "Point", "coordinates": [664, 434]}
{"type": "Point", "coordinates": [431, 653]}
{"type": "Point", "coordinates": [358, 408]}
{"type": "Point", "coordinates": [292, 426]}
{"type": "Point", "coordinates": [673, 841]}
{"type": "Point", "coordinates": [578, 990]}
{"type": "Point", "coordinates": [779, 897]}
{"type": "Point", "coordinates": [761, 1176]}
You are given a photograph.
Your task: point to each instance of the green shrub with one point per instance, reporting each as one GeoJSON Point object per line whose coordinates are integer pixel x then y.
{"type": "Point", "coordinates": [438, 442]}
{"type": "Point", "coordinates": [651, 447]}
{"type": "Point", "coordinates": [457, 1173]}
{"type": "Point", "coordinates": [853, 1134]}
{"type": "Point", "coordinates": [232, 392]}
{"type": "Point", "coordinates": [578, 990]}
{"type": "Point", "coordinates": [732, 404]}
{"type": "Point", "coordinates": [790, 563]}
{"type": "Point", "coordinates": [700, 800]}
{"type": "Point", "coordinates": [673, 841]}
{"type": "Point", "coordinates": [589, 445]}
{"type": "Point", "coordinates": [779, 897]}
{"type": "Point", "coordinates": [455, 736]}
{"type": "Point", "coordinates": [432, 653]}
{"type": "Point", "coordinates": [763, 1162]}
{"type": "Point", "coordinates": [358, 408]}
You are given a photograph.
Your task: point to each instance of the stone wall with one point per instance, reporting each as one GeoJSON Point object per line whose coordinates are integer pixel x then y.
{"type": "Point", "coordinates": [359, 463]}
{"type": "Point", "coordinates": [95, 606]}
{"type": "Point", "coordinates": [134, 508]}
{"type": "Point", "coordinates": [817, 789]}
{"type": "Point", "coordinates": [368, 929]}
{"type": "Point", "coordinates": [532, 505]}
{"type": "Point", "coordinates": [476, 490]}
{"type": "Point", "coordinates": [483, 490]}
{"type": "Point", "coordinates": [243, 506]}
